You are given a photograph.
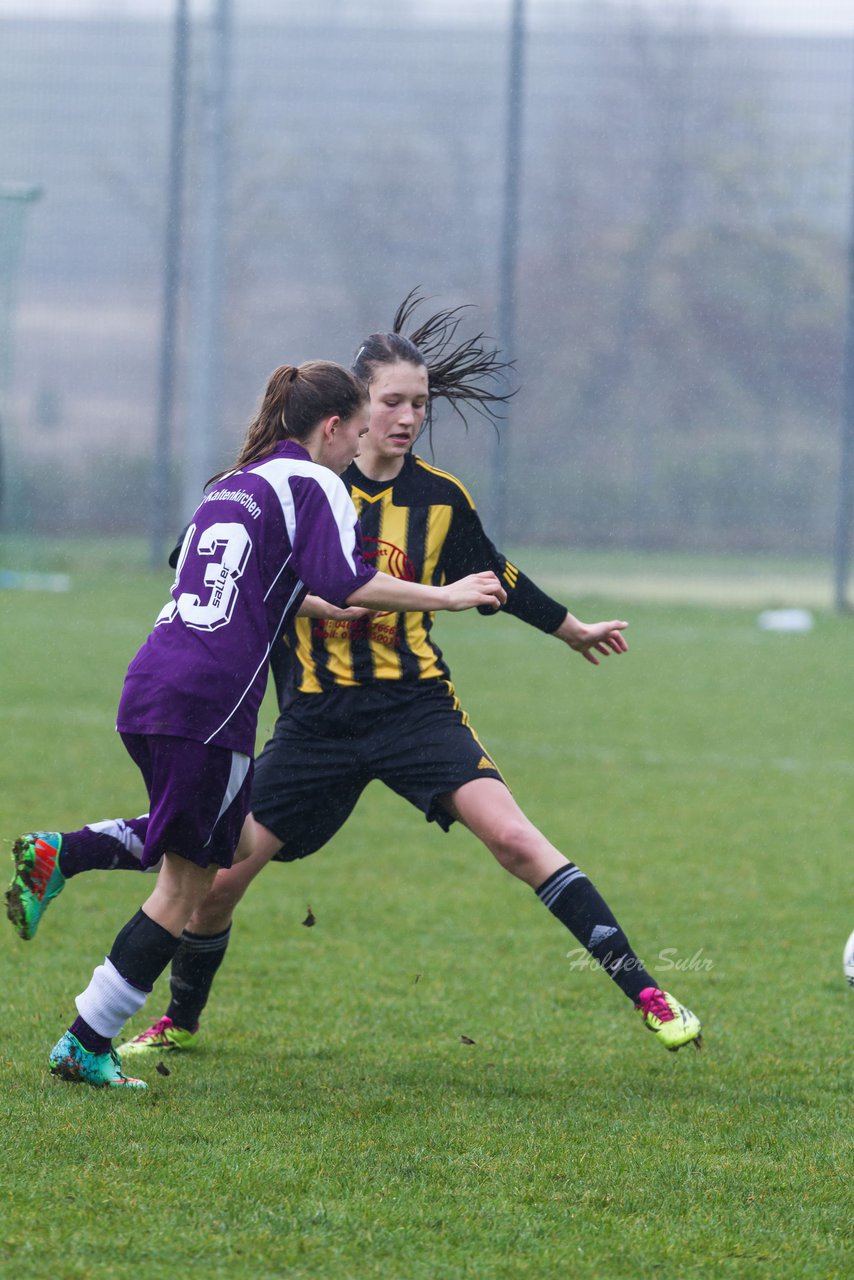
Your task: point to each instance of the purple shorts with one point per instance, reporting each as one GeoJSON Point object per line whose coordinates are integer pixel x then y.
{"type": "Point", "coordinates": [199, 797]}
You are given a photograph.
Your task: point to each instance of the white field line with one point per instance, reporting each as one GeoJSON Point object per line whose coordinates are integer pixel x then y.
{"type": "Point", "coordinates": [806, 591]}
{"type": "Point", "coordinates": [682, 761]}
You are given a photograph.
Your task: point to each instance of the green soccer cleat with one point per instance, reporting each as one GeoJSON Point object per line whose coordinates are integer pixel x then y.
{"type": "Point", "coordinates": [162, 1037]}
{"type": "Point", "coordinates": [71, 1062]}
{"type": "Point", "coordinates": [671, 1021]}
{"type": "Point", "coordinates": [36, 880]}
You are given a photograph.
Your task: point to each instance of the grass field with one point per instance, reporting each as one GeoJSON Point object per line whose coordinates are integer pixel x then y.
{"type": "Point", "coordinates": [335, 1123]}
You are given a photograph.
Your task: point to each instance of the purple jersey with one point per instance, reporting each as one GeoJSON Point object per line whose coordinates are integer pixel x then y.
{"type": "Point", "coordinates": [259, 540]}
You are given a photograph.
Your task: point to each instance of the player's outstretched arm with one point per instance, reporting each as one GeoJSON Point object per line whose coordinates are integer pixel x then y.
{"type": "Point", "coordinates": [385, 592]}
{"type": "Point", "coordinates": [590, 638]}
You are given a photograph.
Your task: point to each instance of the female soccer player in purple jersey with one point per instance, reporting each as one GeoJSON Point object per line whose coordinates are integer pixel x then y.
{"type": "Point", "coordinates": [349, 688]}
{"type": "Point", "coordinates": [278, 525]}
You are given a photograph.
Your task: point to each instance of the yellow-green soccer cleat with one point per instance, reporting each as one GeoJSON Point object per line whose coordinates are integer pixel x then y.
{"type": "Point", "coordinates": [36, 880]}
{"type": "Point", "coordinates": [71, 1062]}
{"type": "Point", "coordinates": [671, 1021]}
{"type": "Point", "coordinates": [162, 1037]}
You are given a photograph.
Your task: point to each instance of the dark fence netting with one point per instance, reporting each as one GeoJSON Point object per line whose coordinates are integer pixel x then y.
{"type": "Point", "coordinates": [681, 258]}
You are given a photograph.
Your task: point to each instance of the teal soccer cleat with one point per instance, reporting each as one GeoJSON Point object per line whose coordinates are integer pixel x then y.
{"type": "Point", "coordinates": [36, 880]}
{"type": "Point", "coordinates": [71, 1062]}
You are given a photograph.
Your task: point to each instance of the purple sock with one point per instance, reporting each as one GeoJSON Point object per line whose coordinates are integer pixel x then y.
{"type": "Point", "coordinates": [114, 845]}
{"type": "Point", "coordinates": [88, 1038]}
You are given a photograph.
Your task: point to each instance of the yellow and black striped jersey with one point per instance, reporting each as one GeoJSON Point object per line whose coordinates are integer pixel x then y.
{"type": "Point", "coordinates": [422, 526]}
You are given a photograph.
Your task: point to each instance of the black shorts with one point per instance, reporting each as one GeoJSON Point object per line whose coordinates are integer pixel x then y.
{"type": "Point", "coordinates": [327, 747]}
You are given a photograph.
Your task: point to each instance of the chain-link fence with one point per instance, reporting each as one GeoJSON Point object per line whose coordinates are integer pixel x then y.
{"type": "Point", "coordinates": [681, 278]}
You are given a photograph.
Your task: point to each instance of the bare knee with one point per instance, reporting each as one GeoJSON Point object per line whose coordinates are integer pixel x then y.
{"type": "Point", "coordinates": [490, 812]}
{"type": "Point", "coordinates": [518, 846]}
{"type": "Point", "coordinates": [224, 895]}
{"type": "Point", "coordinates": [214, 914]}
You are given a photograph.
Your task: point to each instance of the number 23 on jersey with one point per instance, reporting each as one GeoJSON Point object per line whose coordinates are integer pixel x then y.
{"type": "Point", "coordinates": [229, 547]}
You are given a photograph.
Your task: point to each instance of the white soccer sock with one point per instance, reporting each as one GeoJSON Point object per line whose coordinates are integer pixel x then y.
{"type": "Point", "coordinates": [109, 1000]}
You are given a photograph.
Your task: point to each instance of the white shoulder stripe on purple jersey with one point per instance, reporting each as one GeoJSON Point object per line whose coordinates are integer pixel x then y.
{"type": "Point", "coordinates": [278, 472]}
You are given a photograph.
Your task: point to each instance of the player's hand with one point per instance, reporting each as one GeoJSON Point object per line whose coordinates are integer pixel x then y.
{"type": "Point", "coordinates": [591, 638]}
{"type": "Point", "coordinates": [316, 607]}
{"type": "Point", "coordinates": [478, 589]}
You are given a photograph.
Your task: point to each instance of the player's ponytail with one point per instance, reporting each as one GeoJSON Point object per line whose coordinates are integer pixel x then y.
{"type": "Point", "coordinates": [463, 372]}
{"type": "Point", "coordinates": [295, 400]}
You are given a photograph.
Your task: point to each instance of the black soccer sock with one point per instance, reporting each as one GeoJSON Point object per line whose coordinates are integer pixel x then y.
{"type": "Point", "coordinates": [579, 906]}
{"type": "Point", "coordinates": [193, 970]}
{"type": "Point", "coordinates": [142, 950]}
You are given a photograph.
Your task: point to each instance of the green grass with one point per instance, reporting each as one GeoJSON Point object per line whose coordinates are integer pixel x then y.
{"type": "Point", "coordinates": [334, 1123]}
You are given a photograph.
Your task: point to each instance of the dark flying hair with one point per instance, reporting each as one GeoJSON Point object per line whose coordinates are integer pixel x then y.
{"type": "Point", "coordinates": [467, 372]}
{"type": "Point", "coordinates": [295, 399]}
